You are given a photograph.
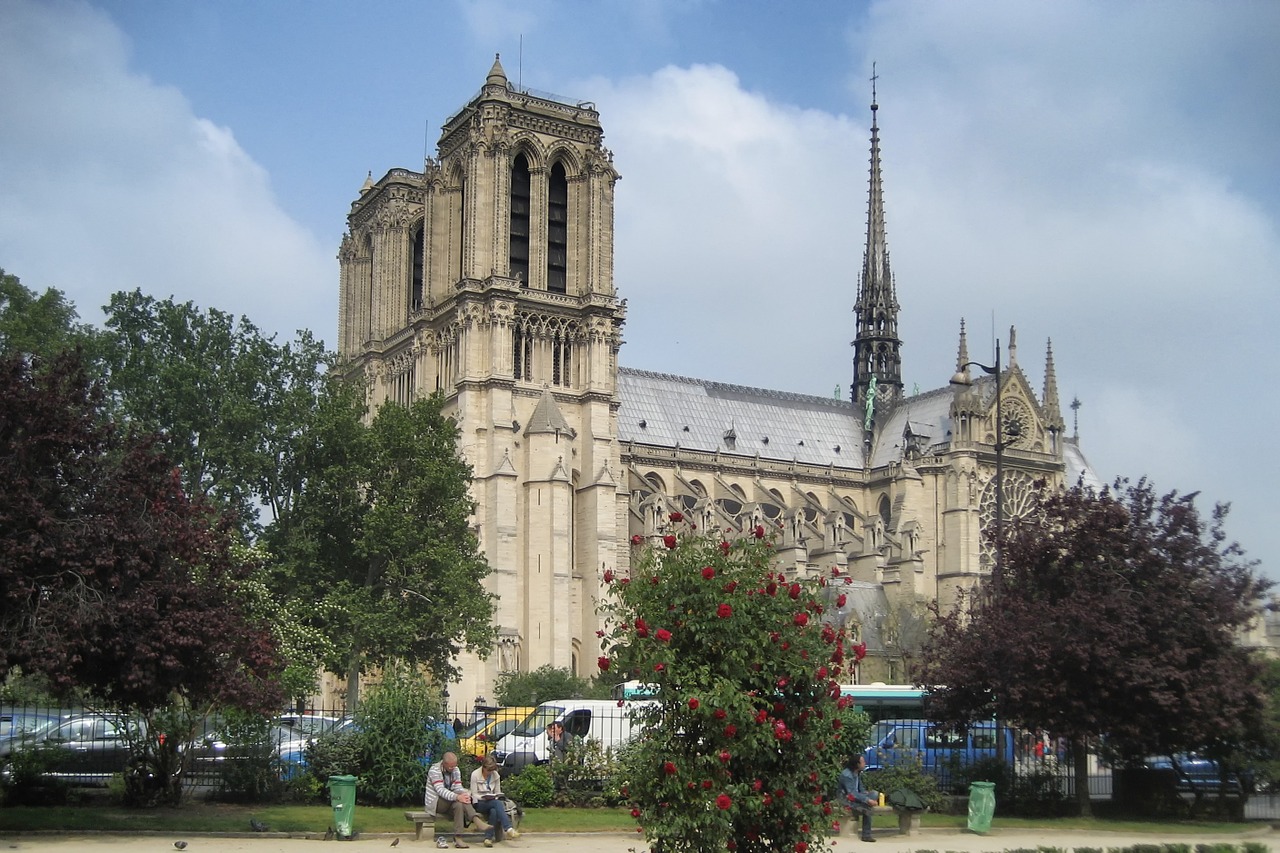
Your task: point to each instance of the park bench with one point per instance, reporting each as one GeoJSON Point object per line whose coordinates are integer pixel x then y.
{"type": "Point", "coordinates": [422, 819]}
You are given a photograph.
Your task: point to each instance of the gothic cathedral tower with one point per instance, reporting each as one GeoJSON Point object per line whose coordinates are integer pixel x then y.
{"type": "Point", "coordinates": [877, 360]}
{"type": "Point", "coordinates": [489, 277]}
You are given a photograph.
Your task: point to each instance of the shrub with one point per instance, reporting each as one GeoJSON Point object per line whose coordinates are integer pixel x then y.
{"type": "Point", "coordinates": [251, 771]}
{"type": "Point", "coordinates": [27, 785]}
{"type": "Point", "coordinates": [399, 737]}
{"type": "Point", "coordinates": [532, 787]}
{"type": "Point", "coordinates": [910, 775]}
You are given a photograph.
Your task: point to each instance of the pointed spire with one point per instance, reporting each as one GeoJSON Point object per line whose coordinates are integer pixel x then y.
{"type": "Point", "coordinates": [368, 183]}
{"type": "Point", "coordinates": [1052, 409]}
{"type": "Point", "coordinates": [877, 347]}
{"type": "Point", "coordinates": [962, 357]}
{"type": "Point", "coordinates": [547, 417]}
{"type": "Point", "coordinates": [497, 77]}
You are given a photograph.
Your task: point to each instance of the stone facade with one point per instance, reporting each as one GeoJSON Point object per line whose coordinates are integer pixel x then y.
{"type": "Point", "coordinates": [489, 276]}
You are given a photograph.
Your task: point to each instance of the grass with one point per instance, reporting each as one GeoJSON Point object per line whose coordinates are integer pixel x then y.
{"type": "Point", "coordinates": [220, 817]}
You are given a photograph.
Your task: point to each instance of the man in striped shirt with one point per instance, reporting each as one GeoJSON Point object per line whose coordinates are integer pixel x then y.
{"type": "Point", "coordinates": [446, 795]}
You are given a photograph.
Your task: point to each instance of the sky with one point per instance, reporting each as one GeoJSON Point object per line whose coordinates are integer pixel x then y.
{"type": "Point", "coordinates": [1102, 174]}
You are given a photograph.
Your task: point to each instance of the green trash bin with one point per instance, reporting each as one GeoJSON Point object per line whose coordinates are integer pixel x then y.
{"type": "Point", "coordinates": [982, 806]}
{"type": "Point", "coordinates": [342, 796]}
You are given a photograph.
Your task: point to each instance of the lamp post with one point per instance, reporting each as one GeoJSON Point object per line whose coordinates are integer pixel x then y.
{"type": "Point", "coordinates": [997, 573]}
{"type": "Point", "coordinates": [961, 378]}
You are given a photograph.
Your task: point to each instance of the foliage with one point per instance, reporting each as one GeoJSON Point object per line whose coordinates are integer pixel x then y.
{"type": "Point", "coordinates": [252, 770]}
{"type": "Point", "coordinates": [116, 582]}
{"type": "Point", "coordinates": [334, 754]}
{"type": "Point", "coordinates": [583, 774]}
{"type": "Point", "coordinates": [547, 682]}
{"type": "Point", "coordinates": [908, 773]}
{"type": "Point", "coordinates": [26, 783]}
{"type": "Point", "coordinates": [749, 730]}
{"type": "Point", "coordinates": [233, 404]}
{"type": "Point", "coordinates": [532, 787]}
{"type": "Point", "coordinates": [39, 326]}
{"type": "Point", "coordinates": [397, 735]}
{"type": "Point", "coordinates": [1118, 614]}
{"type": "Point", "coordinates": [380, 537]}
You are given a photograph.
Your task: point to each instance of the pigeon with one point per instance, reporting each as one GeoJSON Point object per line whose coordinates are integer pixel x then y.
{"type": "Point", "coordinates": [395, 841]}
{"type": "Point", "coordinates": [181, 845]}
{"type": "Point", "coordinates": [328, 834]}
{"type": "Point", "coordinates": [257, 825]}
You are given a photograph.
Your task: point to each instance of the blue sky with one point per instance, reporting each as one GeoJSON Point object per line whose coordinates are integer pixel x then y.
{"type": "Point", "coordinates": [1103, 174]}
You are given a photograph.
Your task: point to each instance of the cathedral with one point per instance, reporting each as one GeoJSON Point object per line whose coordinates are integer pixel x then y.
{"type": "Point", "coordinates": [488, 276]}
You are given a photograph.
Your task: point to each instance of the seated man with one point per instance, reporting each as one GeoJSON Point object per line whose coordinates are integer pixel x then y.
{"type": "Point", "coordinates": [859, 798]}
{"type": "Point", "coordinates": [446, 795]}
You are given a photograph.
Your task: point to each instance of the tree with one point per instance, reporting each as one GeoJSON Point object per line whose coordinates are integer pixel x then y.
{"type": "Point", "coordinates": [1118, 617]}
{"type": "Point", "coordinates": [750, 729]}
{"type": "Point", "coordinates": [232, 403]}
{"type": "Point", "coordinates": [115, 580]}
{"type": "Point", "coordinates": [40, 326]}
{"type": "Point", "coordinates": [527, 689]}
{"type": "Point", "coordinates": [379, 538]}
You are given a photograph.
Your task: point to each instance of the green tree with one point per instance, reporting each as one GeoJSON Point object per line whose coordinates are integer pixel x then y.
{"type": "Point", "coordinates": [1118, 616]}
{"type": "Point", "coordinates": [233, 404]}
{"type": "Point", "coordinates": [39, 325]}
{"type": "Point", "coordinates": [526, 689]}
{"type": "Point", "coordinates": [749, 731]}
{"type": "Point", "coordinates": [379, 538]}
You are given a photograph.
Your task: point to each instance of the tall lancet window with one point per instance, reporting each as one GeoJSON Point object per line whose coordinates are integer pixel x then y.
{"type": "Point", "coordinates": [519, 252]}
{"type": "Point", "coordinates": [558, 231]}
{"type": "Point", "coordinates": [415, 268]}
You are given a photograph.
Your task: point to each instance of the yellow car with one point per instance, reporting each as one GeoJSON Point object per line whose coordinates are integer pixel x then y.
{"type": "Point", "coordinates": [479, 737]}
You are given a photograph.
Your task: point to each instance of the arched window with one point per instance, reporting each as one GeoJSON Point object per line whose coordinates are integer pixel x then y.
{"type": "Point", "coordinates": [368, 248]}
{"type": "Point", "coordinates": [885, 510]}
{"type": "Point", "coordinates": [558, 230]}
{"type": "Point", "coordinates": [415, 268]}
{"type": "Point", "coordinates": [519, 250]}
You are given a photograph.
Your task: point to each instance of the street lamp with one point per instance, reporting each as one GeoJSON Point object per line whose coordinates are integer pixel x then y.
{"type": "Point", "coordinates": [962, 378]}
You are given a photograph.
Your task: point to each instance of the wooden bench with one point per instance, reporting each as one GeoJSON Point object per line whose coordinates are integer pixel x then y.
{"type": "Point", "coordinates": [908, 820]}
{"type": "Point", "coordinates": [422, 818]}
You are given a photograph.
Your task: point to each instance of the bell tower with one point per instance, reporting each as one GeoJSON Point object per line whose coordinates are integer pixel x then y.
{"type": "Point", "coordinates": [489, 277]}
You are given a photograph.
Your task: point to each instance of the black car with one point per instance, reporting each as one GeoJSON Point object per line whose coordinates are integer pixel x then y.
{"type": "Point", "coordinates": [84, 749]}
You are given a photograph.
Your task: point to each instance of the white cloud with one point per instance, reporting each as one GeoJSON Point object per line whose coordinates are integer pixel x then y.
{"type": "Point", "coordinates": [110, 182]}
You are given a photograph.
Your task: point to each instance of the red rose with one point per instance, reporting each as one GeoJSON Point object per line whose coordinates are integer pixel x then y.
{"type": "Point", "coordinates": [724, 611]}
{"type": "Point", "coordinates": [767, 799]}
{"type": "Point", "coordinates": [637, 539]}
{"type": "Point", "coordinates": [624, 581]}
{"type": "Point", "coordinates": [635, 813]}
{"type": "Point", "coordinates": [837, 723]}
{"type": "Point", "coordinates": [772, 588]}
{"type": "Point", "coordinates": [603, 663]}
{"type": "Point", "coordinates": [608, 575]}
{"type": "Point", "coordinates": [794, 591]}
{"type": "Point", "coordinates": [843, 702]}
{"type": "Point", "coordinates": [801, 619]}
{"type": "Point", "coordinates": [802, 846]}
{"type": "Point", "coordinates": [669, 768]}
{"type": "Point", "coordinates": [725, 756]}
{"type": "Point", "coordinates": [669, 540]}
{"type": "Point", "coordinates": [731, 845]}
{"type": "Point", "coordinates": [706, 784]}
{"type": "Point", "coordinates": [723, 802]}
{"type": "Point", "coordinates": [841, 599]}
{"type": "Point", "coordinates": [731, 731]}
{"type": "Point", "coordinates": [693, 703]}
{"type": "Point", "coordinates": [659, 667]}
{"type": "Point", "coordinates": [860, 651]}
{"type": "Point", "coordinates": [708, 572]}
{"type": "Point", "coordinates": [663, 635]}
{"type": "Point", "coordinates": [720, 713]}
{"type": "Point", "coordinates": [676, 516]}
{"type": "Point", "coordinates": [730, 586]}
{"type": "Point", "coordinates": [641, 625]}
{"type": "Point", "coordinates": [724, 547]}
{"type": "Point", "coordinates": [822, 672]}
{"type": "Point", "coordinates": [759, 532]}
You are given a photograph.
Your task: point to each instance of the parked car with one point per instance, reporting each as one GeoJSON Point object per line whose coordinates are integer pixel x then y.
{"type": "Point", "coordinates": [17, 721]}
{"type": "Point", "coordinates": [83, 749]}
{"type": "Point", "coordinates": [480, 737]}
{"type": "Point", "coordinates": [941, 752]}
{"type": "Point", "coordinates": [1196, 774]}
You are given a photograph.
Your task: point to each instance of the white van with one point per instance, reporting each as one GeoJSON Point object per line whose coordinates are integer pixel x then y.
{"type": "Point", "coordinates": [602, 720]}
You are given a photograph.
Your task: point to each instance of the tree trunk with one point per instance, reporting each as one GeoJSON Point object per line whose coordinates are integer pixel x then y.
{"type": "Point", "coordinates": [1079, 749]}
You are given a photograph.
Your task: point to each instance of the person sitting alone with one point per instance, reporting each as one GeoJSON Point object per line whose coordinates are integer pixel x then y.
{"type": "Point", "coordinates": [860, 799]}
{"type": "Point", "coordinates": [445, 795]}
{"type": "Point", "coordinates": [559, 742]}
{"type": "Point", "coordinates": [486, 795]}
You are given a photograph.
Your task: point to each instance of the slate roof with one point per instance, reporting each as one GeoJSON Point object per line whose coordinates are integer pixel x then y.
{"type": "Point", "coordinates": [696, 414]}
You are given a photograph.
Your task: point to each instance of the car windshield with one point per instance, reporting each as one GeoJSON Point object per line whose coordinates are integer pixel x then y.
{"type": "Point", "coordinates": [534, 724]}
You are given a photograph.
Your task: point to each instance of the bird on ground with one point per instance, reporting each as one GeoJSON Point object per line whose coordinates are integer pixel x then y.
{"type": "Point", "coordinates": [257, 825]}
{"type": "Point", "coordinates": [395, 841]}
{"type": "Point", "coordinates": [181, 845]}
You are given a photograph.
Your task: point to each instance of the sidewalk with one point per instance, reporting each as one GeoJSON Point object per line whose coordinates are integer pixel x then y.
{"type": "Point", "coordinates": [613, 842]}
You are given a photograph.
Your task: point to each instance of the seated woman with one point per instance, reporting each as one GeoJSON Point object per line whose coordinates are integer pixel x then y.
{"type": "Point", "coordinates": [858, 798]}
{"type": "Point", "coordinates": [486, 793]}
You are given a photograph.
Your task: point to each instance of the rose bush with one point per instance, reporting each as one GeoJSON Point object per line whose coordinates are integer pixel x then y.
{"type": "Point", "coordinates": [748, 732]}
